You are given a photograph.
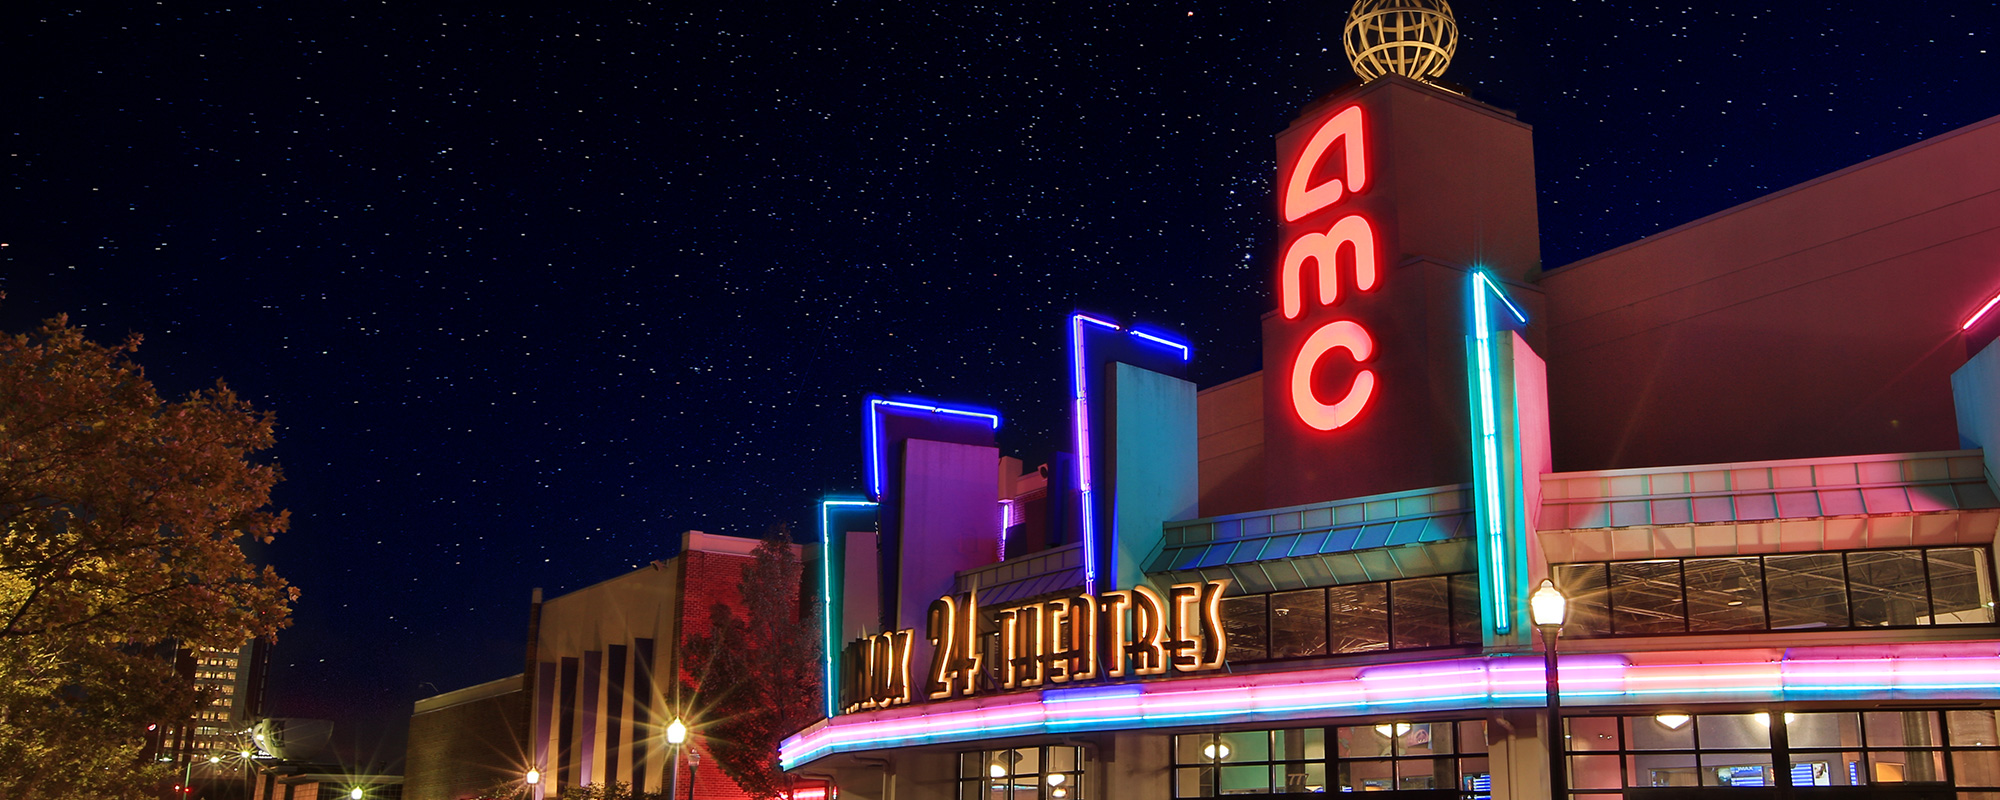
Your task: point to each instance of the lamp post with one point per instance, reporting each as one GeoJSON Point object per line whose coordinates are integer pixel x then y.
{"type": "Point", "coordinates": [677, 734]}
{"type": "Point", "coordinates": [694, 770]}
{"type": "Point", "coordinates": [1548, 607]}
{"type": "Point", "coordinates": [534, 781]}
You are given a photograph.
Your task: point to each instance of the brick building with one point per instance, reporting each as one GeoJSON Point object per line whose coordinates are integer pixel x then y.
{"type": "Point", "coordinates": [594, 706]}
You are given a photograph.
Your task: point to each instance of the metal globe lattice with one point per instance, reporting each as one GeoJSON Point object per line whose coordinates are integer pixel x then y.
{"type": "Point", "coordinates": [1411, 38]}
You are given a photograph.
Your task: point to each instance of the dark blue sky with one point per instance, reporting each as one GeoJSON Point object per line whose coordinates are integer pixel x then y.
{"type": "Point", "coordinates": [534, 288]}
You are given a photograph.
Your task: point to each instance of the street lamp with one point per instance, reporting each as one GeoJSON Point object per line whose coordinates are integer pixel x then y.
{"type": "Point", "coordinates": [1547, 606]}
{"type": "Point", "coordinates": [677, 735]}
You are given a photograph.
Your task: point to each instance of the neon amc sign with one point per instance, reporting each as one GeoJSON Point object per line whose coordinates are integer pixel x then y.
{"type": "Point", "coordinates": [1322, 248]}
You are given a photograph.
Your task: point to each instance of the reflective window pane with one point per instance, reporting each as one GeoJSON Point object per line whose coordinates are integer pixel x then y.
{"type": "Point", "coordinates": [1666, 731]}
{"type": "Point", "coordinates": [1906, 766]}
{"type": "Point", "coordinates": [1737, 769]}
{"type": "Point", "coordinates": [1472, 736]}
{"type": "Point", "coordinates": [1244, 623]}
{"type": "Point", "coordinates": [1360, 615]}
{"type": "Point", "coordinates": [1244, 780]}
{"type": "Point", "coordinates": [1364, 741]}
{"type": "Point", "coordinates": [1646, 597]}
{"type": "Point", "coordinates": [1734, 731]}
{"type": "Point", "coordinates": [1974, 728]}
{"type": "Point", "coordinates": [1419, 774]}
{"type": "Point", "coordinates": [1367, 776]}
{"type": "Point", "coordinates": [1591, 733]}
{"type": "Point", "coordinates": [1423, 739]}
{"type": "Point", "coordinates": [1886, 588]}
{"type": "Point", "coordinates": [1243, 746]}
{"type": "Point", "coordinates": [1662, 769]}
{"type": "Point", "coordinates": [1418, 616]}
{"type": "Point", "coordinates": [1724, 594]}
{"type": "Point", "coordinates": [1465, 612]}
{"type": "Point", "coordinates": [1589, 599]}
{"type": "Point", "coordinates": [1806, 591]}
{"type": "Point", "coordinates": [1303, 744]}
{"type": "Point", "coordinates": [1298, 778]}
{"type": "Point", "coordinates": [1595, 772]}
{"type": "Point", "coordinates": [1828, 768]}
{"type": "Point", "coordinates": [1901, 728]}
{"type": "Point", "coordinates": [1298, 623]}
{"type": "Point", "coordinates": [1836, 729]}
{"type": "Point", "coordinates": [1976, 767]}
{"type": "Point", "coordinates": [1961, 586]}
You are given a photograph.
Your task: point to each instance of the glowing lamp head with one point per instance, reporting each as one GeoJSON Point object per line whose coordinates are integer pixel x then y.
{"type": "Point", "coordinates": [996, 770]}
{"type": "Point", "coordinates": [1056, 778]}
{"type": "Point", "coordinates": [677, 732]}
{"type": "Point", "coordinates": [1673, 722]}
{"type": "Point", "coordinates": [1548, 606]}
{"type": "Point", "coordinates": [213, 759]}
{"type": "Point", "coordinates": [355, 794]}
{"type": "Point", "coordinates": [534, 777]}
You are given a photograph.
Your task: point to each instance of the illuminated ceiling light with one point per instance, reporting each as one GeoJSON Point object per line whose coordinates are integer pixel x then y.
{"type": "Point", "coordinates": [1673, 722]}
{"type": "Point", "coordinates": [1391, 731]}
{"type": "Point", "coordinates": [1976, 315]}
{"type": "Point", "coordinates": [356, 794]}
{"type": "Point", "coordinates": [1056, 778]}
{"type": "Point", "coordinates": [1215, 752]}
{"type": "Point", "coordinates": [1059, 793]}
{"type": "Point", "coordinates": [996, 770]}
{"type": "Point", "coordinates": [1764, 718]}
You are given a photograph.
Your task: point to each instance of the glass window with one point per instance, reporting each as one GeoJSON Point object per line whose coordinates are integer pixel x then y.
{"type": "Point", "coordinates": [1980, 728]}
{"type": "Point", "coordinates": [1298, 623]}
{"type": "Point", "coordinates": [1901, 728]}
{"type": "Point", "coordinates": [1837, 729]}
{"type": "Point", "coordinates": [1807, 591]}
{"type": "Point", "coordinates": [1734, 731]}
{"type": "Point", "coordinates": [1591, 733]}
{"type": "Point", "coordinates": [1244, 623]}
{"type": "Point", "coordinates": [1589, 598]}
{"type": "Point", "coordinates": [1887, 588]}
{"type": "Point", "coordinates": [1724, 594]}
{"type": "Point", "coordinates": [1646, 597]}
{"type": "Point", "coordinates": [1365, 741]}
{"type": "Point", "coordinates": [1419, 613]}
{"type": "Point", "coordinates": [1664, 731]}
{"type": "Point", "coordinates": [1961, 586]}
{"type": "Point", "coordinates": [1022, 773]}
{"type": "Point", "coordinates": [1465, 611]}
{"type": "Point", "coordinates": [1360, 614]}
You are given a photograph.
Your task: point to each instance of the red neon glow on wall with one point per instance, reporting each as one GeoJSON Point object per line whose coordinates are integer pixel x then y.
{"type": "Point", "coordinates": [1322, 249]}
{"type": "Point", "coordinates": [1301, 200]}
{"type": "Point", "coordinates": [1337, 335]}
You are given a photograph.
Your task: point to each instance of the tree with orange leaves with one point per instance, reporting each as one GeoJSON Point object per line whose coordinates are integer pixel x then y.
{"type": "Point", "coordinates": [121, 522]}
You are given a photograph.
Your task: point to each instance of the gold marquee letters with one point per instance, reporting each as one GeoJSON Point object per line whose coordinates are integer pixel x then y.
{"type": "Point", "coordinates": [1133, 632]}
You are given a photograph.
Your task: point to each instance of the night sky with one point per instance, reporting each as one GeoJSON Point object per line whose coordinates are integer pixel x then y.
{"type": "Point", "coordinates": [532, 289]}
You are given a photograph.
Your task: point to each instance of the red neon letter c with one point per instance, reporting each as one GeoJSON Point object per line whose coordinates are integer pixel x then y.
{"type": "Point", "coordinates": [1334, 335]}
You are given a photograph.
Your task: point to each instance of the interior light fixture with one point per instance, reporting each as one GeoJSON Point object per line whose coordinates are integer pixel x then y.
{"type": "Point", "coordinates": [1673, 722]}
{"type": "Point", "coordinates": [1215, 752]}
{"type": "Point", "coordinates": [1393, 731]}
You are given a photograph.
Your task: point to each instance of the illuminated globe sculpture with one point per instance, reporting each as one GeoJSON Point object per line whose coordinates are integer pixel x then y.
{"type": "Point", "coordinates": [1411, 38]}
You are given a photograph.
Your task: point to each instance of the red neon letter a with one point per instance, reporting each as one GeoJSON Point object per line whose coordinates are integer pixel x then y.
{"type": "Point", "coordinates": [1300, 199]}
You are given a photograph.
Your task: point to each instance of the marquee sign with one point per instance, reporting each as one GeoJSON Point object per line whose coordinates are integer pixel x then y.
{"type": "Point", "coordinates": [1350, 234]}
{"type": "Point", "coordinates": [1085, 637]}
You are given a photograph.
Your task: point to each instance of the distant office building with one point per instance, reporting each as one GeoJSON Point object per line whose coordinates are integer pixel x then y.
{"type": "Point", "coordinates": [233, 680]}
{"type": "Point", "coordinates": [601, 695]}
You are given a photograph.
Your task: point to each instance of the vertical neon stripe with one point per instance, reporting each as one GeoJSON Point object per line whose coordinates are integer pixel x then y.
{"type": "Point", "coordinates": [830, 688]}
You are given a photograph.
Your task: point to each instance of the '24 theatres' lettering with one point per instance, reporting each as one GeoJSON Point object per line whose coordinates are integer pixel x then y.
{"type": "Point", "coordinates": [1321, 248]}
